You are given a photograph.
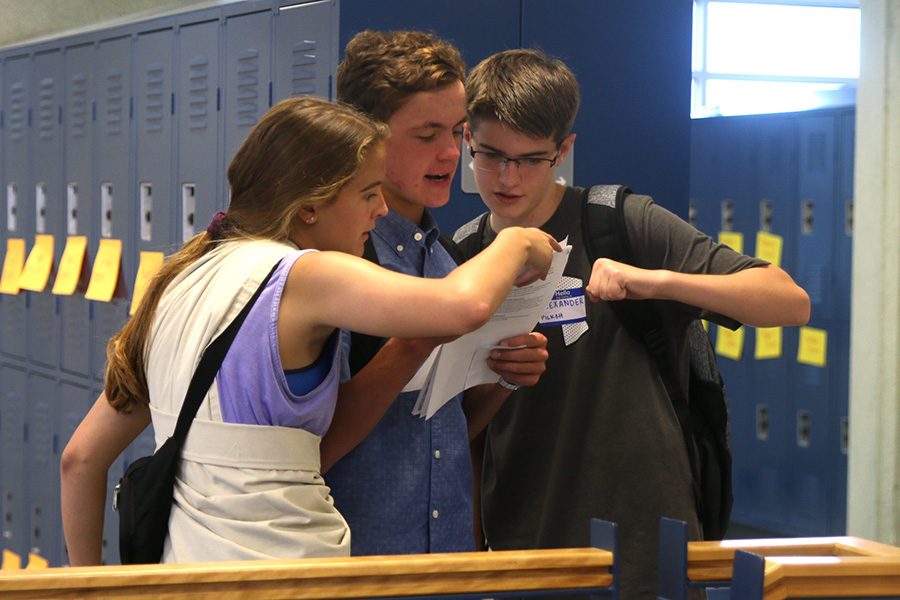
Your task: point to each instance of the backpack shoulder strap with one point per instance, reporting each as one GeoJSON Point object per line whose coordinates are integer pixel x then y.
{"type": "Point", "coordinates": [470, 237]}
{"type": "Point", "coordinates": [603, 223]}
{"type": "Point", "coordinates": [452, 249]}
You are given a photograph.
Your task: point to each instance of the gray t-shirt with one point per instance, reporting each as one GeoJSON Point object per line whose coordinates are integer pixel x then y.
{"type": "Point", "coordinates": [597, 436]}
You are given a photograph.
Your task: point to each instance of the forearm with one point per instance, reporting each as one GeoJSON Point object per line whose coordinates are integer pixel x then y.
{"type": "Point", "coordinates": [480, 404]}
{"type": "Point", "coordinates": [762, 296]}
{"type": "Point", "coordinates": [82, 499]}
{"type": "Point", "coordinates": [364, 399]}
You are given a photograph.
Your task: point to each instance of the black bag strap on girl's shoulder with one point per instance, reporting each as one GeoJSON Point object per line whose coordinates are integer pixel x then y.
{"type": "Point", "coordinates": [209, 365]}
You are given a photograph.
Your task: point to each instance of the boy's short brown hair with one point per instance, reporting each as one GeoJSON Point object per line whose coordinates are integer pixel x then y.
{"type": "Point", "coordinates": [526, 90]}
{"type": "Point", "coordinates": [381, 69]}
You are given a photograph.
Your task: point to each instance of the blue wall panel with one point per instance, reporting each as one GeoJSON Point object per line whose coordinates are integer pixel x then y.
{"type": "Point", "coordinates": [199, 193]}
{"type": "Point", "coordinates": [634, 123]}
{"type": "Point", "coordinates": [14, 491]}
{"type": "Point", "coordinates": [19, 203]}
{"type": "Point", "coordinates": [48, 194]}
{"type": "Point", "coordinates": [80, 200]}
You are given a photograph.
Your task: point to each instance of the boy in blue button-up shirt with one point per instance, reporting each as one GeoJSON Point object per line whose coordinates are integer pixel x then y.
{"type": "Point", "coordinates": [405, 484]}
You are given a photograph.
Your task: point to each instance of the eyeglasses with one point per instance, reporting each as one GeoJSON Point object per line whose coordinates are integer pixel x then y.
{"type": "Point", "coordinates": [494, 162]}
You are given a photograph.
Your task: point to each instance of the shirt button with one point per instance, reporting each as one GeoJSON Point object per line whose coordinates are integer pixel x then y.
{"type": "Point", "coordinates": [418, 236]}
{"type": "Point", "coordinates": [399, 247]}
{"type": "Point", "coordinates": [435, 514]}
{"type": "Point", "coordinates": [437, 454]}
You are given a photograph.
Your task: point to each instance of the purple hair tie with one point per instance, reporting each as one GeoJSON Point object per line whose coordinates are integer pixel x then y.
{"type": "Point", "coordinates": [216, 227]}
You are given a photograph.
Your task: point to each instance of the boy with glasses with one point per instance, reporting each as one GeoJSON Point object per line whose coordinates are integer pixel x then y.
{"type": "Point", "coordinates": [405, 484]}
{"type": "Point", "coordinates": [597, 436]}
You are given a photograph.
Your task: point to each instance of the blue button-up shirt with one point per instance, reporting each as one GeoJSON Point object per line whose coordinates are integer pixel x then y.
{"type": "Point", "coordinates": [407, 488]}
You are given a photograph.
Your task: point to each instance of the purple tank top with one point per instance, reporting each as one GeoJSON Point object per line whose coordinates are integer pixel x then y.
{"type": "Point", "coordinates": [252, 386]}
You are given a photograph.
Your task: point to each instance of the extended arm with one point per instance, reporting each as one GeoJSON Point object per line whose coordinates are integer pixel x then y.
{"type": "Point", "coordinates": [762, 296]}
{"type": "Point", "coordinates": [100, 438]}
{"type": "Point", "coordinates": [328, 289]}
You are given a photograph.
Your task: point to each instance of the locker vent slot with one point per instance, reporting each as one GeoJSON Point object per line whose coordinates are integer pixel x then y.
{"type": "Point", "coordinates": [115, 102]}
{"type": "Point", "coordinates": [79, 115]}
{"type": "Point", "coordinates": [248, 88]}
{"type": "Point", "coordinates": [303, 72]}
{"type": "Point", "coordinates": [816, 157]}
{"type": "Point", "coordinates": [155, 107]}
{"type": "Point", "coordinates": [47, 113]}
{"type": "Point", "coordinates": [803, 428]}
{"type": "Point", "coordinates": [198, 93]}
{"type": "Point", "coordinates": [18, 111]}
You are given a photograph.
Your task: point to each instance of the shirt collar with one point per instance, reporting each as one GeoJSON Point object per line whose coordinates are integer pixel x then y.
{"type": "Point", "coordinates": [396, 229]}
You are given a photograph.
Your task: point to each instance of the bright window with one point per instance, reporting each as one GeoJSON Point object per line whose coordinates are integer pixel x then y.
{"type": "Point", "coordinates": [754, 57]}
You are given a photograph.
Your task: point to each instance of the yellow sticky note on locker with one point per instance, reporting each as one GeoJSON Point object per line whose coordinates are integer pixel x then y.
{"type": "Point", "coordinates": [11, 561]}
{"type": "Point", "coordinates": [729, 344]}
{"type": "Point", "coordinates": [13, 263]}
{"type": "Point", "coordinates": [149, 265]}
{"type": "Point", "coordinates": [105, 274]}
{"type": "Point", "coordinates": [71, 266]}
{"type": "Point", "coordinates": [39, 264]}
{"type": "Point", "coordinates": [36, 561]}
{"type": "Point", "coordinates": [734, 239]}
{"type": "Point", "coordinates": [768, 343]}
{"type": "Point", "coordinates": [813, 347]}
{"type": "Point", "coordinates": [768, 247]}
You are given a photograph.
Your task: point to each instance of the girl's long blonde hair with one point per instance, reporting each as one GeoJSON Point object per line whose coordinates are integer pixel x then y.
{"type": "Point", "coordinates": [298, 156]}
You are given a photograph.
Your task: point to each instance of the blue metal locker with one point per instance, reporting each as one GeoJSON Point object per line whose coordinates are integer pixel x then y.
{"type": "Point", "coordinates": [13, 495]}
{"type": "Point", "coordinates": [816, 193]}
{"type": "Point", "coordinates": [769, 378]}
{"type": "Point", "coordinates": [49, 199]}
{"type": "Point", "coordinates": [843, 215]}
{"type": "Point", "coordinates": [154, 141]}
{"type": "Point", "coordinates": [42, 463]}
{"type": "Point", "coordinates": [305, 49]}
{"type": "Point", "coordinates": [810, 486]}
{"type": "Point", "coordinates": [75, 399]}
{"type": "Point", "coordinates": [843, 258]}
{"type": "Point", "coordinates": [247, 81]}
{"type": "Point", "coordinates": [498, 27]}
{"type": "Point", "coordinates": [19, 198]}
{"type": "Point", "coordinates": [114, 201]}
{"type": "Point", "coordinates": [197, 115]}
{"type": "Point", "coordinates": [80, 195]}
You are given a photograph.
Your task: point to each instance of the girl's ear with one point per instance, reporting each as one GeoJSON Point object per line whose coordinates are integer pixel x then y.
{"type": "Point", "coordinates": [307, 215]}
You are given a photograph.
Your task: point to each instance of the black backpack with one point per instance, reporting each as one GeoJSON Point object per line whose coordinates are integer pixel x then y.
{"type": "Point", "coordinates": [703, 416]}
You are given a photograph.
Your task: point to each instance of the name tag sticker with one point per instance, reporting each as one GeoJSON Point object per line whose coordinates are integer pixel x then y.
{"type": "Point", "coordinates": [566, 306]}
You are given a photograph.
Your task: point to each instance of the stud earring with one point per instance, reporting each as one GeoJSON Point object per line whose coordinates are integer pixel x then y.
{"type": "Point", "coordinates": [310, 220]}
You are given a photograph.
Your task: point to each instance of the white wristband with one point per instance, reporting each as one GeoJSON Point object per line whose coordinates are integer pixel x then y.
{"type": "Point", "coordinates": [507, 385]}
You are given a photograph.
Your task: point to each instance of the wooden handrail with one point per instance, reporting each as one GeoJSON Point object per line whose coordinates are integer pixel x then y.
{"type": "Point", "coordinates": [686, 564]}
{"type": "Point", "coordinates": [712, 561]}
{"type": "Point", "coordinates": [352, 577]}
{"type": "Point", "coordinates": [816, 577]}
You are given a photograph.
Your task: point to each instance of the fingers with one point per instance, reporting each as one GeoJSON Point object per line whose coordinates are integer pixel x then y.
{"type": "Point", "coordinates": [524, 362]}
